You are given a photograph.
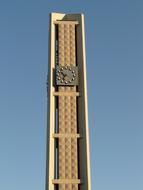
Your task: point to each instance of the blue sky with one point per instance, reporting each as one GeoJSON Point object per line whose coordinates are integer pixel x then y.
{"type": "Point", "coordinates": [114, 45]}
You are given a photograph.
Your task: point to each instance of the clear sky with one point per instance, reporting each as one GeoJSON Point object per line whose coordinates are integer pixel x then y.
{"type": "Point", "coordinates": [114, 41]}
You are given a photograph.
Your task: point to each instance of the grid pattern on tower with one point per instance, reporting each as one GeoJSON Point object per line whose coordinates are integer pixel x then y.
{"type": "Point", "coordinates": [68, 157]}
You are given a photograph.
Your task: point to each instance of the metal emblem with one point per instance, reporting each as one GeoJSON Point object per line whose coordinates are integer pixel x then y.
{"type": "Point", "coordinates": [66, 75]}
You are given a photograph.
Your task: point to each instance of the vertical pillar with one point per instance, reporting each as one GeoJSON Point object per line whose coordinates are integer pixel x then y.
{"type": "Point", "coordinates": [67, 106]}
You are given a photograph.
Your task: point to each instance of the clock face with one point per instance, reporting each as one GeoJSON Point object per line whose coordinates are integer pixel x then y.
{"type": "Point", "coordinates": [66, 75]}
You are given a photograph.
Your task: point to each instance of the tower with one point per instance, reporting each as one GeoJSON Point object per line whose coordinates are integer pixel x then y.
{"type": "Point", "coordinates": [68, 159]}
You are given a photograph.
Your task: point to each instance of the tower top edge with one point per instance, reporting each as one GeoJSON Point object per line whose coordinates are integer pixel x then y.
{"type": "Point", "coordinates": [66, 14]}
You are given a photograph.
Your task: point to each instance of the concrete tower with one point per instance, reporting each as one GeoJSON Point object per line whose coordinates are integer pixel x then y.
{"type": "Point", "coordinates": [68, 162]}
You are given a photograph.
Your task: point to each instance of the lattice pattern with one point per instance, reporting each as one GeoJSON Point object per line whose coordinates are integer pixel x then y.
{"type": "Point", "coordinates": [68, 161]}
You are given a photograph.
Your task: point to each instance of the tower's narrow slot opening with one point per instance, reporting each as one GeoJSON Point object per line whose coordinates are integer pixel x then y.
{"type": "Point", "coordinates": [56, 113]}
{"type": "Point", "coordinates": [56, 139]}
{"type": "Point", "coordinates": [56, 159]}
{"type": "Point", "coordinates": [56, 117]}
{"type": "Point", "coordinates": [56, 187]}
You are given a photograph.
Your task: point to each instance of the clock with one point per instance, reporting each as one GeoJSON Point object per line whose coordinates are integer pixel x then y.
{"type": "Point", "coordinates": [66, 75]}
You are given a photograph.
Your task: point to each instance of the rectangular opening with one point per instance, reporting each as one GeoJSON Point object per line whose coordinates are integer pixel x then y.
{"type": "Point", "coordinates": [57, 120]}
{"type": "Point", "coordinates": [56, 187]}
{"type": "Point", "coordinates": [56, 159]}
{"type": "Point", "coordinates": [56, 139]}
